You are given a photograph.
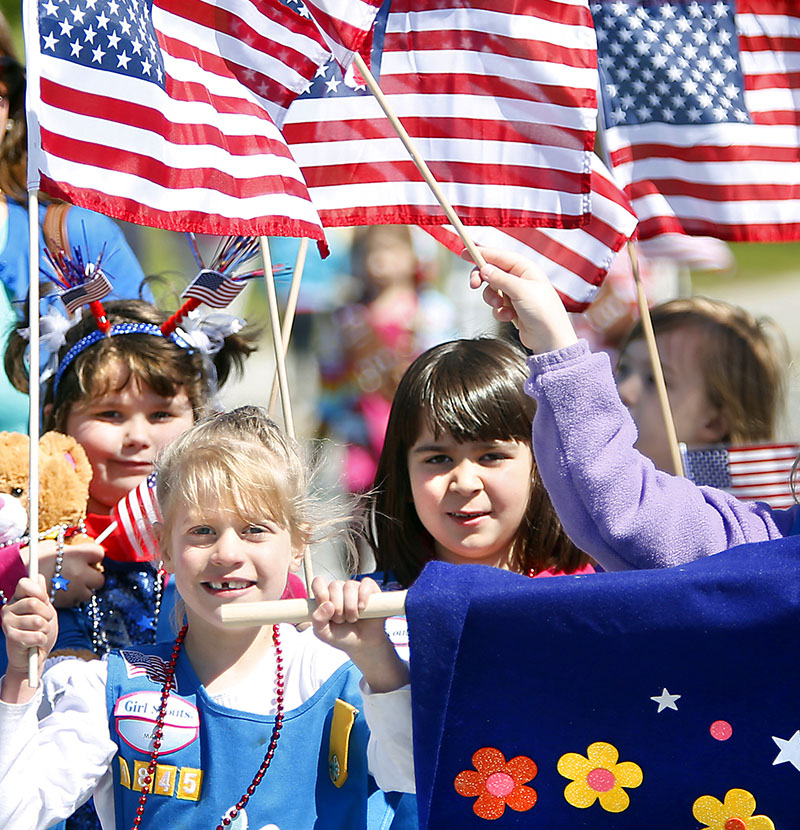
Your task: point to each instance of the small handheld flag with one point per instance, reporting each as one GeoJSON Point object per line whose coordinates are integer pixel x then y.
{"type": "Point", "coordinates": [135, 514]}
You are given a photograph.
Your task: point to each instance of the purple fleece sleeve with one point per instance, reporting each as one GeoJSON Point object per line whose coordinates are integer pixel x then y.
{"type": "Point", "coordinates": [12, 569]}
{"type": "Point", "coordinates": [612, 501]}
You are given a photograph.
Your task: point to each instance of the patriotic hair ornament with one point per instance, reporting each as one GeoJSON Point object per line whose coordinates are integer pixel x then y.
{"type": "Point", "coordinates": [81, 283]}
{"type": "Point", "coordinates": [208, 332]}
{"type": "Point", "coordinates": [216, 285]}
{"type": "Point", "coordinates": [117, 329]}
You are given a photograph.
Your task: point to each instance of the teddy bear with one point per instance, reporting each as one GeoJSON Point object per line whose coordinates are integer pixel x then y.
{"type": "Point", "coordinates": [64, 476]}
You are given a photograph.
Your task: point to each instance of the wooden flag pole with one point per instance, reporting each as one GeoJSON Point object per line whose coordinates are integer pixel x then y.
{"type": "Point", "coordinates": [387, 604]}
{"type": "Point", "coordinates": [658, 374]}
{"type": "Point", "coordinates": [289, 314]}
{"type": "Point", "coordinates": [33, 409]}
{"type": "Point", "coordinates": [476, 255]}
{"type": "Point", "coordinates": [280, 363]}
{"type": "Point", "coordinates": [275, 322]}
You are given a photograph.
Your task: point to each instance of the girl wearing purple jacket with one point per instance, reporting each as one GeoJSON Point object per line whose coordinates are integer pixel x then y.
{"type": "Point", "coordinates": [613, 502]}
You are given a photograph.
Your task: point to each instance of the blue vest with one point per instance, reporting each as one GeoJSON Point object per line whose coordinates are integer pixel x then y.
{"type": "Point", "coordinates": [210, 754]}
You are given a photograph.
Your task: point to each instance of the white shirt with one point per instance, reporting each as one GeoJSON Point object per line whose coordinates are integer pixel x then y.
{"type": "Point", "coordinates": [56, 750]}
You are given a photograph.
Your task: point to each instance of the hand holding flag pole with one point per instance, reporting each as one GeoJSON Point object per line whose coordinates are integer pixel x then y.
{"type": "Point", "coordinates": [295, 611]}
{"type": "Point", "coordinates": [33, 410]}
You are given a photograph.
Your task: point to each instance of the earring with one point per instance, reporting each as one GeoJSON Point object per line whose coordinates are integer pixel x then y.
{"type": "Point", "coordinates": [10, 125]}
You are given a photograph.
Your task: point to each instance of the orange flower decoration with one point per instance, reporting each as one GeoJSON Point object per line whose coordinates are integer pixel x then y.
{"type": "Point", "coordinates": [497, 783]}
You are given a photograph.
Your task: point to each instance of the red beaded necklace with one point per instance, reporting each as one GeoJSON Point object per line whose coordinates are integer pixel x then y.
{"type": "Point", "coordinates": [158, 733]}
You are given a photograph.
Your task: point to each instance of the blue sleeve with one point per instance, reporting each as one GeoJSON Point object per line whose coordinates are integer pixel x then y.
{"type": "Point", "coordinates": [91, 230]}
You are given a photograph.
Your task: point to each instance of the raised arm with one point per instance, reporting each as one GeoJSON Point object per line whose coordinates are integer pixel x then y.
{"type": "Point", "coordinates": [612, 501]}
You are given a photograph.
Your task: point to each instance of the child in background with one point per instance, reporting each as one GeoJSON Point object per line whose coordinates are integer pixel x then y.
{"type": "Point", "coordinates": [457, 480]}
{"type": "Point", "coordinates": [230, 706]}
{"type": "Point", "coordinates": [613, 502]}
{"type": "Point", "coordinates": [372, 340]}
{"type": "Point", "coordinates": [722, 371]}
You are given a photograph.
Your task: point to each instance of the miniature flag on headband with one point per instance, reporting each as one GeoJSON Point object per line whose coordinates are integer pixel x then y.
{"type": "Point", "coordinates": [215, 289]}
{"type": "Point", "coordinates": [611, 701]}
{"type": "Point", "coordinates": [136, 514]}
{"type": "Point", "coordinates": [81, 282]}
{"type": "Point", "coordinates": [91, 291]}
{"type": "Point", "coordinates": [759, 472]}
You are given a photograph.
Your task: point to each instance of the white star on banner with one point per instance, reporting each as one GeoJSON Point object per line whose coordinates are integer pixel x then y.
{"type": "Point", "coordinates": [666, 701]}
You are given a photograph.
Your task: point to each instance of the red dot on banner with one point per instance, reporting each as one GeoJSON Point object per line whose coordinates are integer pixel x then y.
{"type": "Point", "coordinates": [721, 730]}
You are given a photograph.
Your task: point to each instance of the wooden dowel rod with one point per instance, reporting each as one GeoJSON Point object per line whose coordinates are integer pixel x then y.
{"type": "Point", "coordinates": [275, 322]}
{"type": "Point", "coordinates": [658, 374]}
{"type": "Point", "coordinates": [289, 314]}
{"type": "Point", "coordinates": [420, 163]}
{"type": "Point", "coordinates": [296, 611]}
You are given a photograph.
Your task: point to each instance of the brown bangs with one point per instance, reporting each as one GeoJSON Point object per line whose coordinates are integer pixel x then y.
{"type": "Point", "coordinates": [474, 393]}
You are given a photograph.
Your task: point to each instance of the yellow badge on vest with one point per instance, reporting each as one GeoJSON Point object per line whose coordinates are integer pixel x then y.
{"type": "Point", "coordinates": [344, 716]}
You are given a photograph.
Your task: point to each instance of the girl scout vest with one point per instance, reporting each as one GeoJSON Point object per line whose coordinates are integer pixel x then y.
{"type": "Point", "coordinates": [318, 777]}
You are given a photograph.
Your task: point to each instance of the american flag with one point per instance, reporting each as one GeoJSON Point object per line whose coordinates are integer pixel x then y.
{"type": "Point", "coordinates": [166, 112]}
{"type": "Point", "coordinates": [500, 101]}
{"type": "Point", "coordinates": [150, 666]}
{"type": "Point", "coordinates": [91, 291]}
{"type": "Point", "coordinates": [215, 289]}
{"type": "Point", "coordinates": [576, 260]}
{"type": "Point", "coordinates": [135, 514]}
{"type": "Point", "coordinates": [701, 102]}
{"type": "Point", "coordinates": [345, 24]}
{"type": "Point", "coordinates": [754, 473]}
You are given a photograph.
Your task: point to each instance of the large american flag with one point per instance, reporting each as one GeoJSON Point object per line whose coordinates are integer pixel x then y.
{"type": "Point", "coordinates": [576, 260]}
{"type": "Point", "coordinates": [166, 112]}
{"type": "Point", "coordinates": [500, 101]}
{"type": "Point", "coordinates": [701, 102]}
{"type": "Point", "coordinates": [758, 472]}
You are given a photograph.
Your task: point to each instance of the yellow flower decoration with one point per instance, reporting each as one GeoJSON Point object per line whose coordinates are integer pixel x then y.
{"type": "Point", "coordinates": [735, 814]}
{"type": "Point", "coordinates": [599, 776]}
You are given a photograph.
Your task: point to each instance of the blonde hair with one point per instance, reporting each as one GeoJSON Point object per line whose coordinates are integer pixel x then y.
{"type": "Point", "coordinates": [241, 461]}
{"type": "Point", "coordinates": [741, 363]}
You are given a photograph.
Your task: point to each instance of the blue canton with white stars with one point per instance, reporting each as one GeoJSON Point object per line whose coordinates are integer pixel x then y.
{"type": "Point", "coordinates": [329, 82]}
{"type": "Point", "coordinates": [675, 63]}
{"type": "Point", "coordinates": [112, 35]}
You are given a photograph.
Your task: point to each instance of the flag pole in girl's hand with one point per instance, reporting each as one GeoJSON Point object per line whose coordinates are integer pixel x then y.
{"type": "Point", "coordinates": [33, 409]}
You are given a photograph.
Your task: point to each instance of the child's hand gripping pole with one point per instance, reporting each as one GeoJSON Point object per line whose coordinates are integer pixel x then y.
{"type": "Point", "coordinates": [297, 611]}
{"type": "Point", "coordinates": [519, 292]}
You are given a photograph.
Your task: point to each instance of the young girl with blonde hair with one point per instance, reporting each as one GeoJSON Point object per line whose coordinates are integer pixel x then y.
{"type": "Point", "coordinates": [251, 726]}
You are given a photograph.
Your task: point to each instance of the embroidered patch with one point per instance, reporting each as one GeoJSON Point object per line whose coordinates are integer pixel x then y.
{"type": "Point", "coordinates": [735, 813]}
{"type": "Point", "coordinates": [150, 666]}
{"type": "Point", "coordinates": [599, 776]}
{"type": "Point", "coordinates": [136, 714]}
{"type": "Point", "coordinates": [497, 783]}
{"type": "Point", "coordinates": [344, 716]}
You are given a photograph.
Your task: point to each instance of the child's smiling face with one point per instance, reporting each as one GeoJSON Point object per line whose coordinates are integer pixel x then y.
{"type": "Point", "coordinates": [122, 432]}
{"type": "Point", "coordinates": [219, 557]}
{"type": "Point", "coordinates": [470, 496]}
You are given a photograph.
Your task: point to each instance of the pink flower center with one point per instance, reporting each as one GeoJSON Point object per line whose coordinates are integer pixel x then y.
{"type": "Point", "coordinates": [735, 824]}
{"type": "Point", "coordinates": [500, 784]}
{"type": "Point", "coordinates": [601, 780]}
